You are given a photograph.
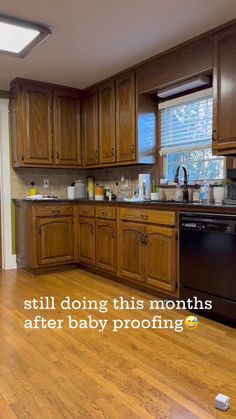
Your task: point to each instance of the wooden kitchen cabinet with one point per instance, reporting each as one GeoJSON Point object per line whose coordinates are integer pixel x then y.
{"type": "Point", "coordinates": [86, 241]}
{"type": "Point", "coordinates": [131, 251]}
{"type": "Point", "coordinates": [45, 235]}
{"type": "Point", "coordinates": [126, 118]}
{"type": "Point", "coordinates": [161, 257]}
{"type": "Point", "coordinates": [106, 245]}
{"type": "Point", "coordinates": [55, 240]}
{"type": "Point", "coordinates": [66, 130]}
{"type": "Point", "coordinates": [224, 86]}
{"type": "Point", "coordinates": [90, 127]}
{"type": "Point", "coordinates": [45, 125]}
{"type": "Point", "coordinates": [107, 133]}
{"type": "Point", "coordinates": [31, 124]}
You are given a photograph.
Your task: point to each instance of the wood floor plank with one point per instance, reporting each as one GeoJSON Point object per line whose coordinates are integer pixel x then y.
{"type": "Point", "coordinates": [65, 373]}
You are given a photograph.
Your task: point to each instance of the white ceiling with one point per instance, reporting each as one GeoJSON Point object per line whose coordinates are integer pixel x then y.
{"type": "Point", "coordinates": [93, 39]}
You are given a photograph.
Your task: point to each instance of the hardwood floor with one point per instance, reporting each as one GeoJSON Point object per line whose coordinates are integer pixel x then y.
{"type": "Point", "coordinates": [65, 373]}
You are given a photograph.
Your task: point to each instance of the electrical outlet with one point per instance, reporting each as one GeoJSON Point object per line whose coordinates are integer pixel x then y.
{"type": "Point", "coordinates": [45, 183]}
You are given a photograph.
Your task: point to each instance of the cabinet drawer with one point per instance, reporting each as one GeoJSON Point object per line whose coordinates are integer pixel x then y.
{"type": "Point", "coordinates": [54, 210]}
{"type": "Point", "coordinates": [106, 213]}
{"type": "Point", "coordinates": [86, 211]}
{"type": "Point", "coordinates": [148, 216]}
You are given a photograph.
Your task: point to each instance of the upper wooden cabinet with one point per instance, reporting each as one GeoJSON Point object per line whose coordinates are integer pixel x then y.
{"type": "Point", "coordinates": [224, 84]}
{"type": "Point", "coordinates": [90, 127]}
{"type": "Point", "coordinates": [31, 124]}
{"type": "Point", "coordinates": [118, 127]}
{"type": "Point", "coordinates": [66, 111]}
{"type": "Point", "coordinates": [126, 118]}
{"type": "Point", "coordinates": [45, 125]}
{"type": "Point", "coordinates": [107, 134]}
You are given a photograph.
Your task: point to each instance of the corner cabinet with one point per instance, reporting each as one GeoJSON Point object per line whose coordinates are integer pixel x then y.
{"type": "Point", "coordinates": [224, 85]}
{"type": "Point", "coordinates": [45, 123]}
{"type": "Point", "coordinates": [66, 132]}
{"type": "Point", "coordinates": [90, 127]}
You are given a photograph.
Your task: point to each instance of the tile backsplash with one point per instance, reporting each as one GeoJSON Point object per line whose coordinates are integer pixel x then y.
{"type": "Point", "coordinates": [59, 179]}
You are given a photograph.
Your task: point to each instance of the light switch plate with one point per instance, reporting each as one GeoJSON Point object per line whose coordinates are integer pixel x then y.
{"type": "Point", "coordinates": [45, 183]}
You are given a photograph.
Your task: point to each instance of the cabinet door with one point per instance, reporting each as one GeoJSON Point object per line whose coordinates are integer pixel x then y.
{"type": "Point", "coordinates": [106, 245]}
{"type": "Point", "coordinates": [107, 151]}
{"type": "Point", "coordinates": [55, 240]}
{"type": "Point", "coordinates": [125, 118]}
{"type": "Point", "coordinates": [161, 257]}
{"type": "Point", "coordinates": [66, 129]}
{"type": "Point", "coordinates": [131, 251]}
{"type": "Point", "coordinates": [36, 124]}
{"type": "Point", "coordinates": [90, 127]}
{"type": "Point", "coordinates": [224, 82]}
{"type": "Point", "coordinates": [86, 241]}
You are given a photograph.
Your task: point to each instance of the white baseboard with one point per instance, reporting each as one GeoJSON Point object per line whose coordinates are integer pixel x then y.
{"type": "Point", "coordinates": [10, 263]}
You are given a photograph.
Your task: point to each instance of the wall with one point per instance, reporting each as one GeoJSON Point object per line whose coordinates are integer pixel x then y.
{"type": "Point", "coordinates": [59, 179]}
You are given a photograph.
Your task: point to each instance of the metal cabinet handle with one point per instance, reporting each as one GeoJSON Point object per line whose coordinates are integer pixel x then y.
{"type": "Point", "coordinates": [57, 157]}
{"type": "Point", "coordinates": [144, 216]}
{"type": "Point", "coordinates": [84, 212]}
{"type": "Point", "coordinates": [112, 152]}
{"type": "Point", "coordinates": [56, 211]}
{"type": "Point", "coordinates": [105, 214]}
{"type": "Point", "coordinates": [145, 239]}
{"type": "Point", "coordinates": [132, 148]}
{"type": "Point", "coordinates": [92, 229]}
{"type": "Point", "coordinates": [113, 233]}
{"type": "Point", "coordinates": [141, 238]}
{"type": "Point", "coordinates": [95, 154]}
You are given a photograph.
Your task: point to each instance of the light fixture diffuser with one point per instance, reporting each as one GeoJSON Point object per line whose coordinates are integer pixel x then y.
{"type": "Point", "coordinates": [183, 87]}
{"type": "Point", "coordinates": [18, 37]}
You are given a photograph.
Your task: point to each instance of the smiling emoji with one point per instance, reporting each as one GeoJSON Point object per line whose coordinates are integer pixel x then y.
{"type": "Point", "coordinates": [191, 322]}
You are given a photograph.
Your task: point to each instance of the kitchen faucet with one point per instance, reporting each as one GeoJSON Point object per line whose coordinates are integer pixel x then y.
{"type": "Point", "coordinates": [176, 180]}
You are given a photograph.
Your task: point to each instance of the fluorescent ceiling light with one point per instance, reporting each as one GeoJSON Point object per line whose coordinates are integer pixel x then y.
{"type": "Point", "coordinates": [183, 87]}
{"type": "Point", "coordinates": [18, 37]}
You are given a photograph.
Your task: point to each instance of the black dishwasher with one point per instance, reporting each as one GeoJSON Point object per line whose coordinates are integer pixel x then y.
{"type": "Point", "coordinates": [208, 262]}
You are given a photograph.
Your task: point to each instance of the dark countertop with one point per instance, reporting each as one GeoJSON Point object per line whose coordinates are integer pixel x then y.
{"type": "Point", "coordinates": [158, 204]}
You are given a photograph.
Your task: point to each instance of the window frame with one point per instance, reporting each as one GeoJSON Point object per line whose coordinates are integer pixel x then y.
{"type": "Point", "coordinates": [161, 158]}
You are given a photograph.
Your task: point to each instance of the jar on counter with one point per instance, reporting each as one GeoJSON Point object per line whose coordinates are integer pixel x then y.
{"type": "Point", "coordinates": [80, 189]}
{"type": "Point", "coordinates": [196, 193]}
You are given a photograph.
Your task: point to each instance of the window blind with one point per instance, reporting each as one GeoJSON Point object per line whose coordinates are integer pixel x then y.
{"type": "Point", "coordinates": [186, 123]}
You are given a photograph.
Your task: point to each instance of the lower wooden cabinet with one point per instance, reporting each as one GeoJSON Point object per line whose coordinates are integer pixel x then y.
{"type": "Point", "coordinates": [131, 251]}
{"type": "Point", "coordinates": [86, 241]}
{"type": "Point", "coordinates": [55, 240]}
{"type": "Point", "coordinates": [101, 237]}
{"type": "Point", "coordinates": [160, 257]}
{"type": "Point", "coordinates": [106, 245]}
{"type": "Point", "coordinates": [148, 254]}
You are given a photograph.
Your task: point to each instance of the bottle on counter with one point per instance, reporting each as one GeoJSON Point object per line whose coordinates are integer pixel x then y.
{"type": "Point", "coordinates": [33, 190]}
{"type": "Point", "coordinates": [90, 187]}
{"type": "Point", "coordinates": [196, 193]}
{"type": "Point", "coordinates": [205, 193]}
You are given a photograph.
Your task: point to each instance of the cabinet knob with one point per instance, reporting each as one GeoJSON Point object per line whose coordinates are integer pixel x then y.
{"type": "Point", "coordinates": [141, 238]}
{"type": "Point", "coordinates": [132, 148]}
{"type": "Point", "coordinates": [112, 152]}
